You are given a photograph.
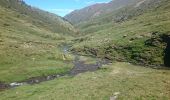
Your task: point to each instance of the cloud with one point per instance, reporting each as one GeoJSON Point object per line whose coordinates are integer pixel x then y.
{"type": "Point", "coordinates": [61, 12]}
{"type": "Point", "coordinates": [92, 2]}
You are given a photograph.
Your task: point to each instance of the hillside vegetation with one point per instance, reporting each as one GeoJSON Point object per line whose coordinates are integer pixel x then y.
{"type": "Point", "coordinates": [29, 40]}
{"type": "Point", "coordinates": [38, 17]}
{"type": "Point", "coordinates": [138, 34]}
{"type": "Point", "coordinates": [101, 63]}
{"type": "Point", "coordinates": [122, 80]}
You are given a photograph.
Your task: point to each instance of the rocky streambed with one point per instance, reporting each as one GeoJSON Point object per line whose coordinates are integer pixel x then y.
{"type": "Point", "coordinates": [79, 67]}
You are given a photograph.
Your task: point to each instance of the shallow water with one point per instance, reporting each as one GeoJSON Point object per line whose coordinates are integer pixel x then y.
{"type": "Point", "coordinates": [79, 67]}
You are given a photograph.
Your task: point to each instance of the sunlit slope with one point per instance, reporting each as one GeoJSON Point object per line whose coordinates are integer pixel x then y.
{"type": "Point", "coordinates": [39, 17]}
{"type": "Point", "coordinates": [29, 44]}
{"type": "Point", "coordinates": [134, 34]}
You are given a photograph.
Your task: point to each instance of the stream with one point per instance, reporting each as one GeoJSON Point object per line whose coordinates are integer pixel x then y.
{"type": "Point", "coordinates": [79, 67]}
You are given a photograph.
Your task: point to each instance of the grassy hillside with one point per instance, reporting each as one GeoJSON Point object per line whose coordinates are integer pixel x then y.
{"type": "Point", "coordinates": [133, 33]}
{"type": "Point", "coordinates": [38, 17]}
{"type": "Point", "coordinates": [122, 80]}
{"type": "Point", "coordinates": [29, 44]}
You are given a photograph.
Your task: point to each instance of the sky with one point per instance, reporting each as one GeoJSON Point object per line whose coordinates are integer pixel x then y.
{"type": "Point", "coordinates": [62, 7]}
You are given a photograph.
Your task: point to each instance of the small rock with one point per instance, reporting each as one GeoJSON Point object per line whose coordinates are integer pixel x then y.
{"type": "Point", "coordinates": [58, 75]}
{"type": "Point", "coordinates": [130, 41]}
{"type": "Point", "coordinates": [36, 81]}
{"type": "Point", "coordinates": [116, 93]}
{"type": "Point", "coordinates": [15, 84]}
{"type": "Point", "coordinates": [128, 63]}
{"type": "Point", "coordinates": [48, 77]}
{"type": "Point", "coordinates": [64, 57]}
{"type": "Point", "coordinates": [115, 96]}
{"type": "Point", "coordinates": [124, 36]}
{"type": "Point", "coordinates": [139, 37]}
{"type": "Point", "coordinates": [112, 98]}
{"type": "Point", "coordinates": [16, 92]}
{"type": "Point", "coordinates": [33, 59]}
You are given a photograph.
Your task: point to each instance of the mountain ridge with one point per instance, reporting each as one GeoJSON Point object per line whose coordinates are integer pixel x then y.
{"type": "Point", "coordinates": [43, 17]}
{"type": "Point", "coordinates": [96, 10]}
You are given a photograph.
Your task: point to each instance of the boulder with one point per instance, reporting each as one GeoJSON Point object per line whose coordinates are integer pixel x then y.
{"type": "Point", "coordinates": [124, 36]}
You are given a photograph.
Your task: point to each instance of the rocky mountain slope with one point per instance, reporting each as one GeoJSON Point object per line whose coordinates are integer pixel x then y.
{"type": "Point", "coordinates": [135, 33]}
{"type": "Point", "coordinates": [96, 10]}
